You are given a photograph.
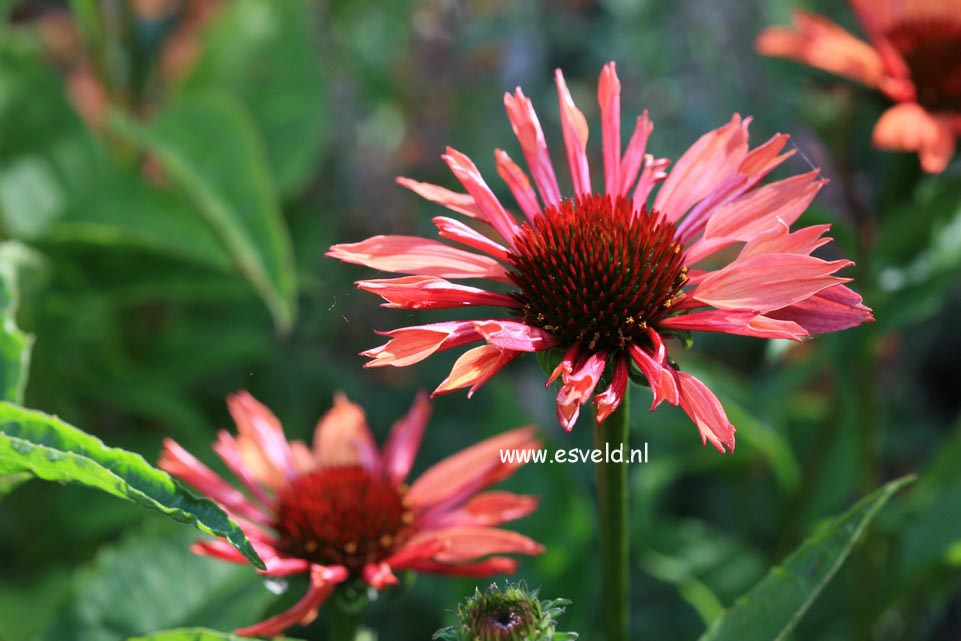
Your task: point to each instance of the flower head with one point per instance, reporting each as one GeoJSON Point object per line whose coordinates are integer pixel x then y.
{"type": "Point", "coordinates": [341, 509]}
{"type": "Point", "coordinates": [914, 58]}
{"type": "Point", "coordinates": [604, 278]}
{"type": "Point", "coordinates": [512, 614]}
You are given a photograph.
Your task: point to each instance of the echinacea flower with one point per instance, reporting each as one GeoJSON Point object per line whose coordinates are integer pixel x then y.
{"type": "Point", "coordinates": [914, 58]}
{"type": "Point", "coordinates": [340, 509]}
{"type": "Point", "coordinates": [605, 278]}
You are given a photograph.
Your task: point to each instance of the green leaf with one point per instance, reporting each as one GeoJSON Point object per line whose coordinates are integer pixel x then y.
{"type": "Point", "coordinates": [208, 146]}
{"type": "Point", "coordinates": [150, 581]}
{"type": "Point", "coordinates": [45, 446]}
{"type": "Point", "coordinates": [262, 52]}
{"type": "Point", "coordinates": [196, 634]}
{"type": "Point", "coordinates": [10, 482]}
{"type": "Point", "coordinates": [14, 344]}
{"type": "Point", "coordinates": [775, 605]}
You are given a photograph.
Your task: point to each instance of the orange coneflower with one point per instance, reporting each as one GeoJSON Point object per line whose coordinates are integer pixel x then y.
{"type": "Point", "coordinates": [341, 509]}
{"type": "Point", "coordinates": [914, 58]}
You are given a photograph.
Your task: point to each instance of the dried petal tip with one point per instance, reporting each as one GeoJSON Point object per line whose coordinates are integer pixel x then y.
{"type": "Point", "coordinates": [512, 614]}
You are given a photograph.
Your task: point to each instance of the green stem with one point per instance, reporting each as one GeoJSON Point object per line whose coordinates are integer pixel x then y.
{"type": "Point", "coordinates": [345, 615]}
{"type": "Point", "coordinates": [612, 508]}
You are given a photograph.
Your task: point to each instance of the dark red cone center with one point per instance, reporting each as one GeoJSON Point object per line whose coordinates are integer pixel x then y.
{"type": "Point", "coordinates": [595, 271]}
{"type": "Point", "coordinates": [932, 50]}
{"type": "Point", "coordinates": [341, 516]}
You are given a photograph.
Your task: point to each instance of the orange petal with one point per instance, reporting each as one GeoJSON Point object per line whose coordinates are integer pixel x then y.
{"type": "Point", "coordinates": [342, 437]}
{"type": "Point", "coordinates": [908, 127]}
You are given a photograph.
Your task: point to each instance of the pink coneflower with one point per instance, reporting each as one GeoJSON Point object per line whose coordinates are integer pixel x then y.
{"type": "Point", "coordinates": [914, 58]}
{"type": "Point", "coordinates": [605, 277]}
{"type": "Point", "coordinates": [341, 509]}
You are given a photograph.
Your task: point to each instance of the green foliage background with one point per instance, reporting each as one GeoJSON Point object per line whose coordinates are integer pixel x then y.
{"type": "Point", "coordinates": [149, 300]}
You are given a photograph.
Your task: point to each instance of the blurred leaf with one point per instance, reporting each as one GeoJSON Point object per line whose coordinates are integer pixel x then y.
{"type": "Point", "coordinates": [151, 581]}
{"type": "Point", "coordinates": [208, 146]}
{"type": "Point", "coordinates": [773, 608]}
{"type": "Point", "coordinates": [196, 634]}
{"type": "Point", "coordinates": [9, 482]}
{"type": "Point", "coordinates": [45, 446]}
{"type": "Point", "coordinates": [14, 344]}
{"type": "Point", "coordinates": [262, 53]}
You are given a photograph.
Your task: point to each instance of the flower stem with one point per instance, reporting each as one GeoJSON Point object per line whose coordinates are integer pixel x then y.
{"type": "Point", "coordinates": [612, 508]}
{"type": "Point", "coordinates": [345, 614]}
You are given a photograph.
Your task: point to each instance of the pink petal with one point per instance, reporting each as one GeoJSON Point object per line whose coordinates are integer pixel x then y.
{"type": "Point", "coordinates": [527, 128]}
{"type": "Point", "coordinates": [302, 612]}
{"type": "Point", "coordinates": [180, 463]}
{"type": "Point", "coordinates": [461, 203]}
{"type": "Point", "coordinates": [459, 476]}
{"type": "Point", "coordinates": [610, 399]}
{"type": "Point", "coordinates": [431, 292]}
{"type": "Point", "coordinates": [660, 377]}
{"type": "Point", "coordinates": [458, 231]}
{"type": "Point", "coordinates": [230, 451]}
{"type": "Point", "coordinates": [474, 368]}
{"type": "Point", "coordinates": [578, 387]}
{"type": "Point", "coordinates": [909, 127]}
{"type": "Point", "coordinates": [409, 556]}
{"type": "Point", "coordinates": [515, 336]}
{"type": "Point", "coordinates": [830, 310]}
{"type": "Point", "coordinates": [742, 323]}
{"type": "Point", "coordinates": [413, 255]}
{"type": "Point", "coordinates": [404, 440]}
{"type": "Point", "coordinates": [466, 544]}
{"type": "Point", "coordinates": [494, 213]}
{"type": "Point", "coordinates": [409, 345]}
{"type": "Point", "coordinates": [768, 282]}
{"type": "Point", "coordinates": [518, 183]}
{"type": "Point", "coordinates": [379, 576]}
{"type": "Point", "coordinates": [566, 366]}
{"type": "Point", "coordinates": [705, 410]}
{"type": "Point", "coordinates": [259, 428]}
{"type": "Point", "coordinates": [488, 567]}
{"type": "Point", "coordinates": [780, 241]}
{"type": "Point", "coordinates": [763, 159]}
{"type": "Point", "coordinates": [574, 126]}
{"type": "Point", "coordinates": [342, 437]}
{"type": "Point", "coordinates": [609, 99]}
{"type": "Point", "coordinates": [759, 210]}
{"type": "Point", "coordinates": [654, 173]}
{"type": "Point", "coordinates": [487, 509]}
{"type": "Point", "coordinates": [634, 154]}
{"type": "Point", "coordinates": [277, 565]}
{"type": "Point", "coordinates": [701, 169]}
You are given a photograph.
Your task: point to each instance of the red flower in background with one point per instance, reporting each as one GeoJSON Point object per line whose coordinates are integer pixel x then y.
{"type": "Point", "coordinates": [341, 509]}
{"type": "Point", "coordinates": [914, 58]}
{"type": "Point", "coordinates": [607, 277]}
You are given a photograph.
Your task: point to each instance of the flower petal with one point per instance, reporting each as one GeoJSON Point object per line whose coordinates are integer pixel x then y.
{"type": "Point", "coordinates": [488, 567]}
{"type": "Point", "coordinates": [458, 231]}
{"type": "Point", "coordinates": [431, 292]}
{"type": "Point", "coordinates": [609, 99]}
{"type": "Point", "coordinates": [231, 453]}
{"type": "Point", "coordinates": [404, 440]}
{"type": "Point", "coordinates": [578, 387]}
{"type": "Point", "coordinates": [574, 126]}
{"type": "Point", "coordinates": [515, 336]}
{"type": "Point", "coordinates": [461, 203]}
{"type": "Point", "coordinates": [518, 183]}
{"type": "Point", "coordinates": [780, 241]}
{"type": "Point", "coordinates": [660, 377]}
{"type": "Point", "coordinates": [487, 509]}
{"type": "Point", "coordinates": [474, 368]}
{"type": "Point", "coordinates": [261, 440]}
{"type": "Point", "coordinates": [706, 411]}
{"type": "Point", "coordinates": [610, 399]}
{"type": "Point", "coordinates": [493, 212]}
{"type": "Point", "coordinates": [466, 544]}
{"type": "Point", "coordinates": [414, 255]}
{"type": "Point", "coordinates": [302, 612]}
{"type": "Point", "coordinates": [342, 437]}
{"type": "Point", "coordinates": [741, 323]}
{"type": "Point", "coordinates": [520, 111]}
{"type": "Point", "coordinates": [408, 345]}
{"type": "Point", "coordinates": [830, 310]}
{"type": "Point", "coordinates": [908, 127]}
{"type": "Point", "coordinates": [379, 576]}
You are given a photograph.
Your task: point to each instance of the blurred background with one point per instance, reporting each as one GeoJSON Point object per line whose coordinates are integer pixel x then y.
{"type": "Point", "coordinates": [172, 172]}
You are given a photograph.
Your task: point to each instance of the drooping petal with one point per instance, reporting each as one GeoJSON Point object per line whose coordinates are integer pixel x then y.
{"type": "Point", "coordinates": [474, 368]}
{"type": "Point", "coordinates": [660, 377]}
{"type": "Point", "coordinates": [276, 565]}
{"type": "Point", "coordinates": [707, 164]}
{"type": "Point", "coordinates": [342, 437]}
{"type": "Point", "coordinates": [741, 323]}
{"type": "Point", "coordinates": [409, 345]}
{"type": "Point", "coordinates": [566, 365]}
{"type": "Point", "coordinates": [486, 509]}
{"type": "Point", "coordinates": [404, 440]}
{"type": "Point", "coordinates": [609, 99]}
{"type": "Point", "coordinates": [179, 462]}
{"type": "Point", "coordinates": [413, 255]}
{"type": "Point", "coordinates": [262, 441]}
{"type": "Point", "coordinates": [466, 544]}
{"type": "Point", "coordinates": [494, 213]}
{"type": "Point", "coordinates": [574, 126]}
{"type": "Point", "coordinates": [527, 128]}
{"type": "Point", "coordinates": [302, 612]}
{"type": "Point", "coordinates": [706, 411]}
{"type": "Point", "coordinates": [461, 475]}
{"type": "Point", "coordinates": [431, 292]}
{"type": "Point", "coordinates": [518, 183]}
{"type": "Point", "coordinates": [610, 399]}
{"type": "Point", "coordinates": [768, 282]}
{"type": "Point", "coordinates": [515, 336]}
{"type": "Point", "coordinates": [821, 43]}
{"type": "Point", "coordinates": [458, 231]}
{"type": "Point", "coordinates": [379, 575]}
{"type": "Point", "coordinates": [830, 310]}
{"type": "Point", "coordinates": [578, 387]}
{"type": "Point", "coordinates": [909, 127]}
{"type": "Point", "coordinates": [461, 203]}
